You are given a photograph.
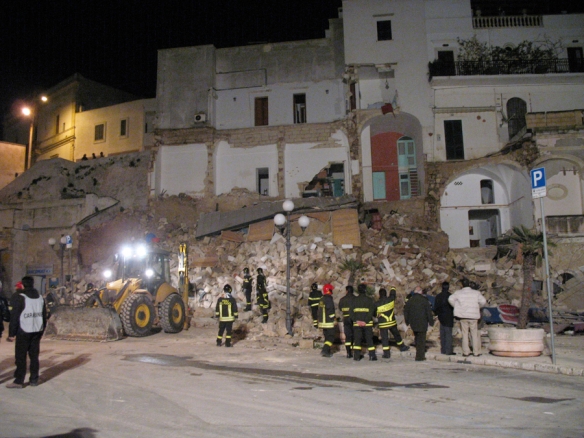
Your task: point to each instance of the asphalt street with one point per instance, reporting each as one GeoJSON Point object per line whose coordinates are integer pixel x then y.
{"type": "Point", "coordinates": [184, 386]}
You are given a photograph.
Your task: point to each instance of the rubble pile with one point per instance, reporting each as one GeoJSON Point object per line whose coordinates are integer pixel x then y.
{"type": "Point", "coordinates": [400, 254]}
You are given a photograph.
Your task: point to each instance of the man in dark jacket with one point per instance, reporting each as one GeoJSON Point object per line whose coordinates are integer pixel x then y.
{"type": "Point", "coordinates": [226, 312]}
{"type": "Point", "coordinates": [387, 322]}
{"type": "Point", "coordinates": [326, 319]}
{"type": "Point", "coordinates": [27, 323]}
{"type": "Point", "coordinates": [445, 313]}
{"type": "Point", "coordinates": [418, 315]}
{"type": "Point", "coordinates": [345, 306]}
{"type": "Point", "coordinates": [362, 317]}
{"type": "Point", "coordinates": [4, 314]}
{"type": "Point", "coordinates": [313, 301]}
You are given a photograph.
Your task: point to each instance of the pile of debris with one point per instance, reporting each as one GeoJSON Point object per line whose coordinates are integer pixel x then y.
{"type": "Point", "coordinates": [398, 254]}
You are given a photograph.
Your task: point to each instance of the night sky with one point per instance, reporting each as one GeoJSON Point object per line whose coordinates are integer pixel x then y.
{"type": "Point", "coordinates": [115, 42]}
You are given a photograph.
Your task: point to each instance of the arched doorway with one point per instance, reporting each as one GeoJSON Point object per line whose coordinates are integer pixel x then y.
{"type": "Point", "coordinates": [480, 204]}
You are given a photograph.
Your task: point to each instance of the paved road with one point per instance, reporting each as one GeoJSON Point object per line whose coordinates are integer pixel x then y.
{"type": "Point", "coordinates": [183, 386]}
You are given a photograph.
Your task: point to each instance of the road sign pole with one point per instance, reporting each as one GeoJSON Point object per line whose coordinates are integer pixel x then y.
{"type": "Point", "coordinates": [548, 282]}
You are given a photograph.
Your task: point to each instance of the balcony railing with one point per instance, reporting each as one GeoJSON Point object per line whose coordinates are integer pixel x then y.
{"type": "Point", "coordinates": [507, 67]}
{"type": "Point", "coordinates": [507, 21]}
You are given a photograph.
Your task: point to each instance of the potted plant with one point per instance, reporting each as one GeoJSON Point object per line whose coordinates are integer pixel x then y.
{"type": "Point", "coordinates": [520, 341]}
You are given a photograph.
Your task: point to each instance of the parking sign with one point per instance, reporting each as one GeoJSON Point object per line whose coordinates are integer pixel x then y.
{"type": "Point", "coordinates": [538, 187]}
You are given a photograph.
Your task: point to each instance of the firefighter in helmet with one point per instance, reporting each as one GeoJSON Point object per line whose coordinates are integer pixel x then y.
{"type": "Point", "coordinates": [247, 287]}
{"type": "Point", "coordinates": [313, 300]}
{"type": "Point", "coordinates": [345, 306]}
{"type": "Point", "coordinates": [262, 294]}
{"type": "Point", "coordinates": [362, 316]}
{"type": "Point", "coordinates": [226, 312]}
{"type": "Point", "coordinates": [326, 319]}
{"type": "Point", "coordinates": [387, 322]}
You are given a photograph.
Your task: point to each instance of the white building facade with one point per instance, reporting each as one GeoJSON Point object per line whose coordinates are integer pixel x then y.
{"type": "Point", "coordinates": [423, 95]}
{"type": "Point", "coordinates": [266, 118]}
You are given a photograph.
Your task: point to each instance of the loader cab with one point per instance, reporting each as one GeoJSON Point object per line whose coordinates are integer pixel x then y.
{"type": "Point", "coordinates": [152, 266]}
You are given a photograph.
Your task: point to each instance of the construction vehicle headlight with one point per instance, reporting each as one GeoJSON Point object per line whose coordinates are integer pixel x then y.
{"type": "Point", "coordinates": [141, 251]}
{"type": "Point", "coordinates": [107, 273]}
{"type": "Point", "coordinates": [149, 273]}
{"type": "Point", "coordinates": [127, 252]}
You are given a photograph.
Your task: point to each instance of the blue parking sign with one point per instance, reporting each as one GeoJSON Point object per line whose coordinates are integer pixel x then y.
{"type": "Point", "coordinates": [538, 187]}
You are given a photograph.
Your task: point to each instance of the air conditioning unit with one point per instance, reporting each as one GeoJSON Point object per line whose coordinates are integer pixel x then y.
{"type": "Point", "coordinates": [200, 118]}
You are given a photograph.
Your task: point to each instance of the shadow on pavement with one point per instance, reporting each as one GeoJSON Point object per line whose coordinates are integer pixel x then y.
{"type": "Point", "coordinates": [84, 432]}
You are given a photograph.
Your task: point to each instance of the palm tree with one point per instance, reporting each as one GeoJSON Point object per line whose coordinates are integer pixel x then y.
{"type": "Point", "coordinates": [530, 243]}
{"type": "Point", "coordinates": [354, 267]}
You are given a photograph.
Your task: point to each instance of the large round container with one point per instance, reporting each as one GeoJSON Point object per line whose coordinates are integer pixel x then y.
{"type": "Point", "coordinates": [511, 342]}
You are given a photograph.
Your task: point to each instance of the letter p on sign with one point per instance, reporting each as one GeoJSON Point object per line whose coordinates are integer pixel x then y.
{"type": "Point", "coordinates": [538, 187]}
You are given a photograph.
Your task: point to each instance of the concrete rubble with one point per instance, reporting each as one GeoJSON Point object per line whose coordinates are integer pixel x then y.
{"type": "Point", "coordinates": [400, 254]}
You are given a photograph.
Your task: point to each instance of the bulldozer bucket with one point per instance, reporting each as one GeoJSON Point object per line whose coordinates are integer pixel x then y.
{"type": "Point", "coordinates": [84, 324]}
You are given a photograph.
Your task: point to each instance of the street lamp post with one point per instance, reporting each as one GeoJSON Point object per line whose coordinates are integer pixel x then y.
{"type": "Point", "coordinates": [280, 220]}
{"type": "Point", "coordinates": [32, 113]}
{"type": "Point", "coordinates": [63, 244]}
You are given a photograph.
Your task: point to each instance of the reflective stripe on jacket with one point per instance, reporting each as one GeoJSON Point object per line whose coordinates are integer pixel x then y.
{"type": "Point", "coordinates": [226, 309]}
{"type": "Point", "coordinates": [326, 312]}
{"type": "Point", "coordinates": [385, 312]}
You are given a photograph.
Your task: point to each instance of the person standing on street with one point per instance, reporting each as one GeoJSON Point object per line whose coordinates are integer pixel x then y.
{"type": "Point", "coordinates": [418, 315]}
{"type": "Point", "coordinates": [326, 319]}
{"type": "Point", "coordinates": [362, 317]}
{"type": "Point", "coordinates": [262, 294]}
{"type": "Point", "coordinates": [247, 287]}
{"type": "Point", "coordinates": [18, 287]}
{"type": "Point", "coordinates": [385, 309]}
{"type": "Point", "coordinates": [313, 301]}
{"type": "Point", "coordinates": [445, 313]}
{"type": "Point", "coordinates": [467, 303]}
{"type": "Point", "coordinates": [226, 312]}
{"type": "Point", "coordinates": [27, 324]}
{"type": "Point", "coordinates": [345, 306]}
{"type": "Point", "coordinates": [4, 313]}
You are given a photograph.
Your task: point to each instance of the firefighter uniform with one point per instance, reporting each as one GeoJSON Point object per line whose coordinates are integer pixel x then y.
{"type": "Point", "coordinates": [362, 317]}
{"type": "Point", "coordinates": [326, 319]}
{"type": "Point", "coordinates": [345, 306]}
{"type": "Point", "coordinates": [313, 301]}
{"type": "Point", "coordinates": [247, 287]}
{"type": "Point", "coordinates": [387, 322]}
{"type": "Point", "coordinates": [262, 295]}
{"type": "Point", "coordinates": [226, 312]}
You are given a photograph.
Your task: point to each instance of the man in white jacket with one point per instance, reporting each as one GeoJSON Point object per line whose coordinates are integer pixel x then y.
{"type": "Point", "coordinates": [467, 303]}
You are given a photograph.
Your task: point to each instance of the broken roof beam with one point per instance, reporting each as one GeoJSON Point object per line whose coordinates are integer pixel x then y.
{"type": "Point", "coordinates": [215, 222]}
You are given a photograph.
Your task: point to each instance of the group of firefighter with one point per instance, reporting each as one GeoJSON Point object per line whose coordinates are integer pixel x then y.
{"type": "Point", "coordinates": [358, 313]}
{"type": "Point", "coordinates": [226, 308]}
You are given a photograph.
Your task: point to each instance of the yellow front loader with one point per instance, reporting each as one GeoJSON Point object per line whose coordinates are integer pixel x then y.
{"type": "Point", "coordinates": [138, 299]}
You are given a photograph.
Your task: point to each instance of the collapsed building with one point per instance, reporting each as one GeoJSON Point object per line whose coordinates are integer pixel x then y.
{"type": "Point", "coordinates": [440, 144]}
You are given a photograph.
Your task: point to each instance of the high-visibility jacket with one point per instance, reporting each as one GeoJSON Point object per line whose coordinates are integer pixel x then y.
{"type": "Point", "coordinates": [314, 297]}
{"type": "Point", "coordinates": [385, 312]}
{"type": "Point", "coordinates": [363, 310]}
{"type": "Point", "coordinates": [326, 312]}
{"type": "Point", "coordinates": [345, 306]}
{"type": "Point", "coordinates": [226, 309]}
{"type": "Point", "coordinates": [247, 283]}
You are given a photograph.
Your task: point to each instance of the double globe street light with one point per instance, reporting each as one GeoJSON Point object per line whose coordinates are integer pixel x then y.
{"type": "Point", "coordinates": [282, 222]}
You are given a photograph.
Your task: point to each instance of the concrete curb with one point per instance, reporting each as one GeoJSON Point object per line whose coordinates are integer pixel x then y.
{"type": "Point", "coordinates": [503, 363]}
